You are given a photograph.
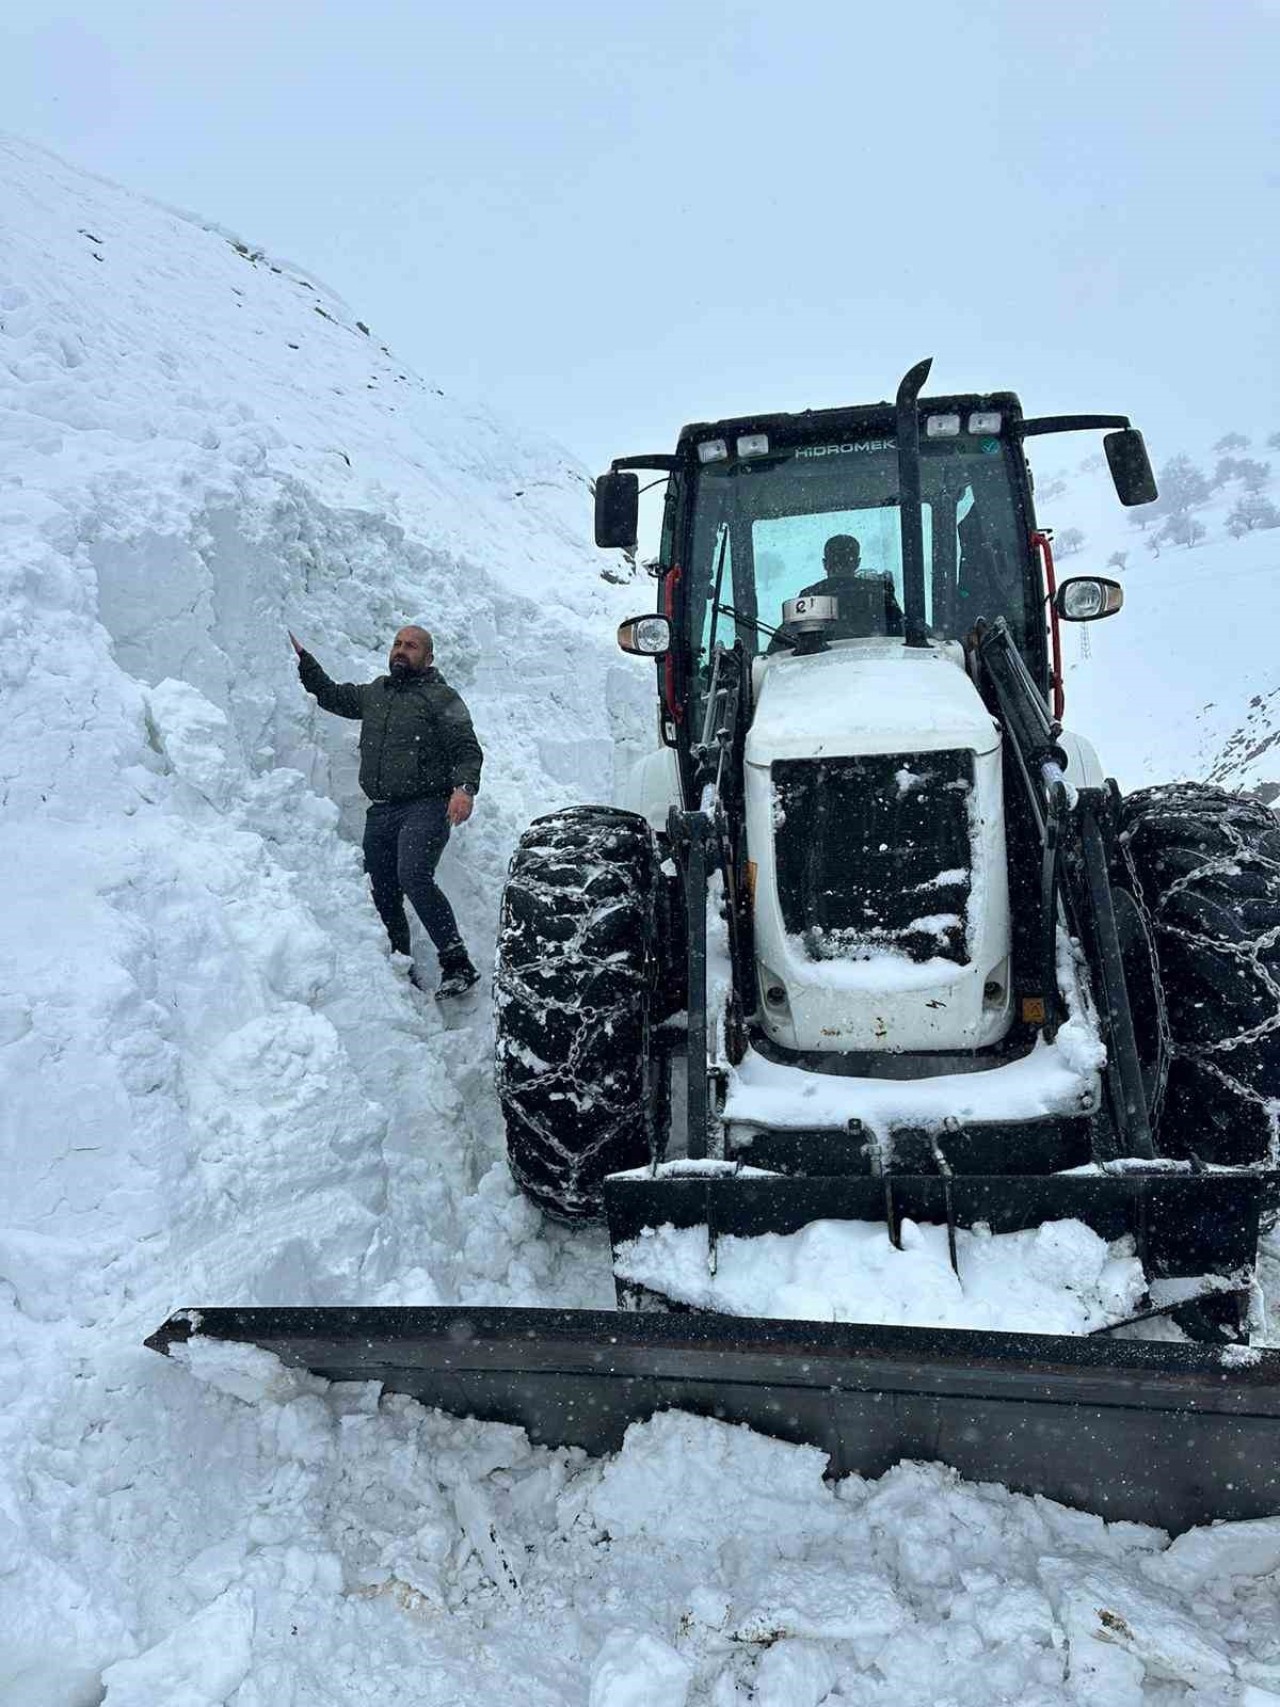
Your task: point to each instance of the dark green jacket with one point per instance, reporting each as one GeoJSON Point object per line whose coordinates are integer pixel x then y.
{"type": "Point", "coordinates": [416, 737]}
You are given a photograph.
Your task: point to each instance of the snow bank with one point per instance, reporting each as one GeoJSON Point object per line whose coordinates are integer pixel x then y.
{"type": "Point", "coordinates": [215, 1085]}
{"type": "Point", "coordinates": [334, 1550]}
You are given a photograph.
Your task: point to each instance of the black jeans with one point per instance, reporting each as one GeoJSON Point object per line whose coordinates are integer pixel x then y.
{"type": "Point", "coordinates": [403, 841]}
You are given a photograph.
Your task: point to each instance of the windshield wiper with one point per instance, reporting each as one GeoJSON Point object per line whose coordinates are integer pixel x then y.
{"type": "Point", "coordinates": [719, 608]}
{"type": "Point", "coordinates": [754, 622]}
{"type": "Point", "coordinates": [747, 622]}
{"type": "Point", "coordinates": [719, 586]}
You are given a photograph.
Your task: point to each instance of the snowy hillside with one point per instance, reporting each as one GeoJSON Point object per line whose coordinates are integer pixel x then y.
{"type": "Point", "coordinates": [213, 1081]}
{"type": "Point", "coordinates": [1183, 682]}
{"type": "Point", "coordinates": [200, 448]}
{"type": "Point", "coordinates": [216, 1087]}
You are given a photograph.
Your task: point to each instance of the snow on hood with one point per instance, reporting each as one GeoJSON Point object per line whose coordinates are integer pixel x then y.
{"type": "Point", "coordinates": [878, 696]}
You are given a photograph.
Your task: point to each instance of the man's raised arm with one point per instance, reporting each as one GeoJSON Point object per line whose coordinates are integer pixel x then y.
{"type": "Point", "coordinates": [344, 699]}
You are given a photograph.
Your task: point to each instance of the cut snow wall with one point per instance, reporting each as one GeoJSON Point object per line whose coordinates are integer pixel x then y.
{"type": "Point", "coordinates": [214, 1084]}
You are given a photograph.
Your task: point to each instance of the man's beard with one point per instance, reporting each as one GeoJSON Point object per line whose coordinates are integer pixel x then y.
{"type": "Point", "coordinates": [401, 670]}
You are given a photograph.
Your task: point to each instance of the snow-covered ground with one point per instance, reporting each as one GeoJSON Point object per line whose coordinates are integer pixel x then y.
{"type": "Point", "coordinates": [216, 1088]}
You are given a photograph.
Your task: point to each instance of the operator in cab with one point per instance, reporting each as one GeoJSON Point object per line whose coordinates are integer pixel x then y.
{"type": "Point", "coordinates": [868, 605]}
{"type": "Point", "coordinates": [420, 767]}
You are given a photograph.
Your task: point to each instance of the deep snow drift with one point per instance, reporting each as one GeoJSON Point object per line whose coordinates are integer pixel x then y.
{"type": "Point", "coordinates": [214, 1083]}
{"type": "Point", "coordinates": [217, 1088]}
{"type": "Point", "coordinates": [205, 1048]}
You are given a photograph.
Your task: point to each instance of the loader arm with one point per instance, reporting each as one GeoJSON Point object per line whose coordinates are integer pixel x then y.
{"type": "Point", "coordinates": [1077, 833]}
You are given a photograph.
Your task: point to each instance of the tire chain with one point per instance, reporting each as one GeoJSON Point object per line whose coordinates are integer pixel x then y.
{"type": "Point", "coordinates": [1167, 1044]}
{"type": "Point", "coordinates": [588, 847]}
{"type": "Point", "coordinates": [1202, 1054]}
{"type": "Point", "coordinates": [584, 963]}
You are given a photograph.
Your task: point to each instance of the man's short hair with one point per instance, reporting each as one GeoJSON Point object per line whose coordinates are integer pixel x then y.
{"type": "Point", "coordinates": [418, 629]}
{"type": "Point", "coordinates": [841, 555]}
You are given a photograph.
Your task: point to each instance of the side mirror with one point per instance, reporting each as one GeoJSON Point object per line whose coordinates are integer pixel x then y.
{"type": "Point", "coordinates": [1085, 598]}
{"type": "Point", "coordinates": [1130, 467]}
{"type": "Point", "coordinates": [617, 509]}
{"type": "Point", "coordinates": [645, 636]}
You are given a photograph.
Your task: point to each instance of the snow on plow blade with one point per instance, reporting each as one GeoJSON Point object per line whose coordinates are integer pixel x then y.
{"type": "Point", "coordinates": [1182, 1225]}
{"type": "Point", "coordinates": [1170, 1434]}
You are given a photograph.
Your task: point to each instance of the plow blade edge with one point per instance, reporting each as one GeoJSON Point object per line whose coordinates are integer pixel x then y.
{"type": "Point", "coordinates": [1169, 1434]}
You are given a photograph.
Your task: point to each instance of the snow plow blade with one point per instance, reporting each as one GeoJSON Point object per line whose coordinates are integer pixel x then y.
{"type": "Point", "coordinates": [1168, 1434]}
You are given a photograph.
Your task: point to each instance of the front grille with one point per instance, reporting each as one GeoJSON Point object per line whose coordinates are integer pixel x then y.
{"type": "Point", "coordinates": [874, 854]}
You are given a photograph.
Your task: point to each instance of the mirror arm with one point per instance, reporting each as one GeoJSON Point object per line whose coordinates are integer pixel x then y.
{"type": "Point", "coordinates": [655, 461]}
{"type": "Point", "coordinates": [1068, 424]}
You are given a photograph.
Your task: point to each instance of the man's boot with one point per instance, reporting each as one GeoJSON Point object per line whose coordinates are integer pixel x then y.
{"type": "Point", "coordinates": [457, 974]}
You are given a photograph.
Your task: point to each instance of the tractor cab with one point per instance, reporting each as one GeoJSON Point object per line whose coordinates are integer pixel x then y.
{"type": "Point", "coordinates": [806, 507]}
{"type": "Point", "coordinates": [768, 509]}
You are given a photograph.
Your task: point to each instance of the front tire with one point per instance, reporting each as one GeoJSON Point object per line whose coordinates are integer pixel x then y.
{"type": "Point", "coordinates": [574, 990]}
{"type": "Point", "coordinates": [1206, 867]}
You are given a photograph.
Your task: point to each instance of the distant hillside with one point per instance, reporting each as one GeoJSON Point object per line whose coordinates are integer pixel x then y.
{"type": "Point", "coordinates": [1185, 681]}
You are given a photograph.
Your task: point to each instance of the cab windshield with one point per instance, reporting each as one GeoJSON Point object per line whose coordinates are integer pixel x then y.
{"type": "Point", "coordinates": [824, 518]}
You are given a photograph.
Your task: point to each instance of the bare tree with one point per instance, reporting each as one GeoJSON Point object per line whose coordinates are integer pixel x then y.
{"type": "Point", "coordinates": [1183, 529]}
{"type": "Point", "coordinates": [1252, 511]}
{"type": "Point", "coordinates": [1182, 488]}
{"type": "Point", "coordinates": [1069, 542]}
{"type": "Point", "coordinates": [1117, 560]}
{"type": "Point", "coordinates": [1228, 468]}
{"type": "Point", "coordinates": [1232, 441]}
{"type": "Point", "coordinates": [1254, 475]}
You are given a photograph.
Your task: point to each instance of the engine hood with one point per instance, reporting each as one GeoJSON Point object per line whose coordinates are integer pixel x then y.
{"type": "Point", "coordinates": [867, 696]}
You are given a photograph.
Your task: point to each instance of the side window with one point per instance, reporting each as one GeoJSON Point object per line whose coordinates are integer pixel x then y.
{"type": "Point", "coordinates": [988, 583]}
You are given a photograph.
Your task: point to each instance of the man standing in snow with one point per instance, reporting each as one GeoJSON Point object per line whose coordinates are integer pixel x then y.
{"type": "Point", "coordinates": [420, 766]}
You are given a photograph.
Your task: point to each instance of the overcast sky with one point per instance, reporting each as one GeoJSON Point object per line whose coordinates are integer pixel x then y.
{"type": "Point", "coordinates": [604, 221]}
